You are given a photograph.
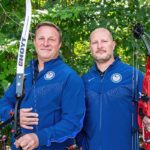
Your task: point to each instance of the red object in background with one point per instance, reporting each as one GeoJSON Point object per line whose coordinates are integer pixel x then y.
{"type": "Point", "coordinates": [144, 106]}
{"type": "Point", "coordinates": [72, 147]}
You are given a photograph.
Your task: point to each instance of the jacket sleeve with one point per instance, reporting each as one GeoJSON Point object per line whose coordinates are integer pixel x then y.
{"type": "Point", "coordinates": [7, 103]}
{"type": "Point", "coordinates": [73, 111]}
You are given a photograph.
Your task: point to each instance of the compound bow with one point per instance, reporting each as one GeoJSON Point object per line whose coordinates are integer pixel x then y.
{"type": "Point", "coordinates": [144, 102]}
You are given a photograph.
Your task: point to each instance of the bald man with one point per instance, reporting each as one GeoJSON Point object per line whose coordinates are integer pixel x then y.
{"type": "Point", "coordinates": [110, 91]}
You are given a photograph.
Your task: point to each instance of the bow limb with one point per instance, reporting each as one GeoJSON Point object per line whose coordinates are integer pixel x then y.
{"type": "Point", "coordinates": [22, 50]}
{"type": "Point", "coordinates": [20, 68]}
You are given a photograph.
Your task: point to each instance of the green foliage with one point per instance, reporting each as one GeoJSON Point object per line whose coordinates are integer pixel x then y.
{"type": "Point", "coordinates": [7, 133]}
{"type": "Point", "coordinates": [77, 19]}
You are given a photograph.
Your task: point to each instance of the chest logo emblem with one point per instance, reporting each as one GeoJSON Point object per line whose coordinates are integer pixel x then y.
{"type": "Point", "coordinates": [49, 75]}
{"type": "Point", "coordinates": [116, 77]}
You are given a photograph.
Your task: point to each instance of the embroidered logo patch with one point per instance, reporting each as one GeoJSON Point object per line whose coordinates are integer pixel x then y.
{"type": "Point", "coordinates": [116, 77]}
{"type": "Point", "coordinates": [49, 75]}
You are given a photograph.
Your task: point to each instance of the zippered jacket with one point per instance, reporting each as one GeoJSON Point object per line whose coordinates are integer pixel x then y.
{"type": "Point", "coordinates": [111, 119]}
{"type": "Point", "coordinates": [57, 94]}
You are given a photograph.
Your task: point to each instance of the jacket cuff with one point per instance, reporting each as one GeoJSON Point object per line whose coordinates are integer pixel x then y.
{"type": "Point", "coordinates": [43, 139]}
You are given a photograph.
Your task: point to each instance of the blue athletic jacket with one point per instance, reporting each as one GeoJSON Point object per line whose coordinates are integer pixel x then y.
{"type": "Point", "coordinates": [58, 96]}
{"type": "Point", "coordinates": [110, 115]}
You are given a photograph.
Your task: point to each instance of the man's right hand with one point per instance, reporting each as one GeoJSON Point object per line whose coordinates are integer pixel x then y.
{"type": "Point", "coordinates": [28, 118]}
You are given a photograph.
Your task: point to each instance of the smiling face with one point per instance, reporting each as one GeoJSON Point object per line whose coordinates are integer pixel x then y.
{"type": "Point", "coordinates": [47, 43]}
{"type": "Point", "coordinates": [102, 45]}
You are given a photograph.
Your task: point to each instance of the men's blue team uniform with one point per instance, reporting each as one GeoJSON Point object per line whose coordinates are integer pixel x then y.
{"type": "Point", "coordinates": [57, 94]}
{"type": "Point", "coordinates": [110, 114]}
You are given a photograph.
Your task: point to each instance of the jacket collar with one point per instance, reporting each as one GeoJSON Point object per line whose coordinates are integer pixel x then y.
{"type": "Point", "coordinates": [95, 68]}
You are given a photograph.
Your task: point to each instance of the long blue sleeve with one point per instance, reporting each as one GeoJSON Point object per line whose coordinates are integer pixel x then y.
{"type": "Point", "coordinates": [7, 103]}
